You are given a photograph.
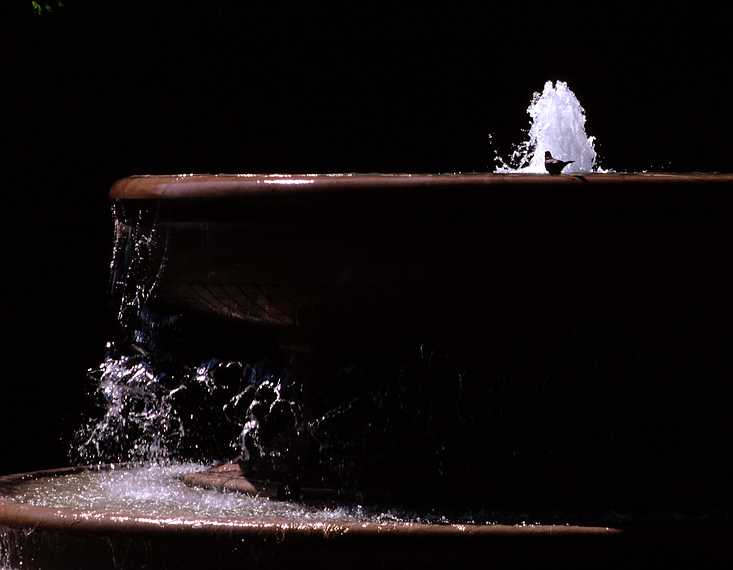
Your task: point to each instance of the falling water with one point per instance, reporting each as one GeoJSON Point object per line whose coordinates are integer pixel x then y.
{"type": "Point", "coordinates": [558, 125]}
{"type": "Point", "coordinates": [153, 405]}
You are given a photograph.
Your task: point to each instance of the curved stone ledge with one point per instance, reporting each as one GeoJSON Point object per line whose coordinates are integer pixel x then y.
{"type": "Point", "coordinates": [223, 478]}
{"type": "Point", "coordinates": [253, 185]}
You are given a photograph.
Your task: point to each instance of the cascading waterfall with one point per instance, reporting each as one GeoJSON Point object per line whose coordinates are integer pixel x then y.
{"type": "Point", "coordinates": [153, 411]}
{"type": "Point", "coordinates": [558, 125]}
{"type": "Point", "coordinates": [138, 262]}
{"type": "Point", "coordinates": [154, 406]}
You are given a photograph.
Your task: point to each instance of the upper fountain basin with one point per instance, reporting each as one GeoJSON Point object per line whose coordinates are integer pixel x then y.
{"type": "Point", "coordinates": [295, 250]}
{"type": "Point", "coordinates": [348, 251]}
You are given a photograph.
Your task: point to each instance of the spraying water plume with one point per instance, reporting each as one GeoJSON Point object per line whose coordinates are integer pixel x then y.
{"type": "Point", "coordinates": [558, 126]}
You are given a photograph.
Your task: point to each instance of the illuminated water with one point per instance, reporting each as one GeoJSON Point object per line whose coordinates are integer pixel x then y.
{"type": "Point", "coordinates": [155, 491]}
{"type": "Point", "coordinates": [557, 125]}
{"type": "Point", "coordinates": [148, 413]}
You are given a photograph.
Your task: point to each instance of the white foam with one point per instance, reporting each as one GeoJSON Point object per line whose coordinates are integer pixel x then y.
{"type": "Point", "coordinates": [155, 491]}
{"type": "Point", "coordinates": [558, 125]}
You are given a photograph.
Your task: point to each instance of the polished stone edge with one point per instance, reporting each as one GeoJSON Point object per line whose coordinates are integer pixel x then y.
{"type": "Point", "coordinates": [228, 478]}
{"type": "Point", "coordinates": [223, 478]}
{"type": "Point", "coordinates": [23, 516]}
{"type": "Point", "coordinates": [252, 185]}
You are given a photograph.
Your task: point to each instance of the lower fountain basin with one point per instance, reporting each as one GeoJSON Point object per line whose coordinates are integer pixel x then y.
{"type": "Point", "coordinates": [38, 532]}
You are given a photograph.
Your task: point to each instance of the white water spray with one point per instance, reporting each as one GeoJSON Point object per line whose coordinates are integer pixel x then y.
{"type": "Point", "coordinates": [558, 125]}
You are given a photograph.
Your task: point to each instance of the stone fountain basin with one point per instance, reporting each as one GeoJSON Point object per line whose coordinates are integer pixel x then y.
{"type": "Point", "coordinates": [612, 284]}
{"type": "Point", "coordinates": [324, 257]}
{"type": "Point", "coordinates": [36, 537]}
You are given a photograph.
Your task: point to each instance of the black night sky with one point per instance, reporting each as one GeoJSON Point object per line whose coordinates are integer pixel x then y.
{"type": "Point", "coordinates": [94, 94]}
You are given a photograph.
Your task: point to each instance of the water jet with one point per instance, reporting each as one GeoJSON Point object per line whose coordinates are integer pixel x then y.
{"type": "Point", "coordinates": [558, 126]}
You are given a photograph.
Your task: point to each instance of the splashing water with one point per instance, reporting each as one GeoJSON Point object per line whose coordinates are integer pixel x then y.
{"type": "Point", "coordinates": [155, 403]}
{"type": "Point", "coordinates": [558, 125]}
{"type": "Point", "coordinates": [157, 491]}
{"type": "Point", "coordinates": [157, 411]}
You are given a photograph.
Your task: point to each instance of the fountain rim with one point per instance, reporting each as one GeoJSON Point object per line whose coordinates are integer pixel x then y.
{"type": "Point", "coordinates": [178, 186]}
{"type": "Point", "coordinates": [14, 514]}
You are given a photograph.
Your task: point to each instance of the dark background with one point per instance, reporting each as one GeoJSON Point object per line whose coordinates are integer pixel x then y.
{"type": "Point", "coordinates": [93, 95]}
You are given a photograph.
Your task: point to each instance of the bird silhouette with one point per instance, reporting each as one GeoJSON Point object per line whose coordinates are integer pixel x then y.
{"type": "Point", "coordinates": [553, 165]}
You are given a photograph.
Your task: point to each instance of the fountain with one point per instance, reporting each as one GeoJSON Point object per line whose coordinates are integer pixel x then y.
{"type": "Point", "coordinates": [382, 370]}
{"type": "Point", "coordinates": [558, 125]}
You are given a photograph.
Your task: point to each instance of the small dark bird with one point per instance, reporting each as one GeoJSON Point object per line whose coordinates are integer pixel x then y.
{"type": "Point", "coordinates": [553, 165]}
